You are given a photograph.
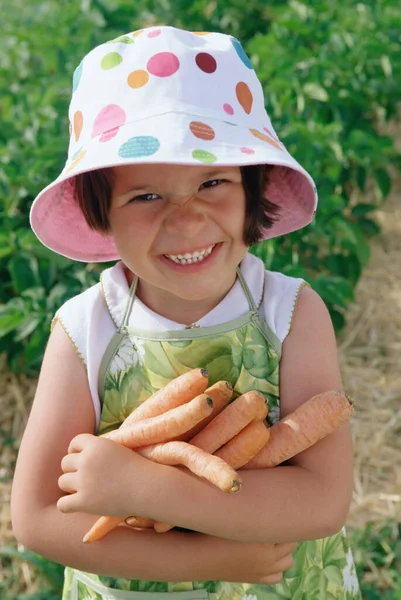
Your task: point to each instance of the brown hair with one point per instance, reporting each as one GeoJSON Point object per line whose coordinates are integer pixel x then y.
{"type": "Point", "coordinates": [93, 192]}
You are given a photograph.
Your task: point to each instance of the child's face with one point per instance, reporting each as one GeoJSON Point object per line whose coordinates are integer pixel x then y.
{"type": "Point", "coordinates": [159, 211]}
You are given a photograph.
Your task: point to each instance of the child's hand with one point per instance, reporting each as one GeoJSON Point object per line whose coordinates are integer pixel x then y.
{"type": "Point", "coordinates": [94, 471]}
{"type": "Point", "coordinates": [261, 563]}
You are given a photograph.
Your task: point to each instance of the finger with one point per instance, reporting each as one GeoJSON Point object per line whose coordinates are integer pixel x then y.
{"type": "Point", "coordinates": [67, 484]}
{"type": "Point", "coordinates": [69, 463]}
{"type": "Point", "coordinates": [284, 564]}
{"type": "Point", "coordinates": [271, 579]}
{"type": "Point", "coordinates": [285, 548]}
{"type": "Point", "coordinates": [78, 442]}
{"type": "Point", "coordinates": [66, 504]}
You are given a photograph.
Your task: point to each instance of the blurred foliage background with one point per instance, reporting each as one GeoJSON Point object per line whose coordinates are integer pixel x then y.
{"type": "Point", "coordinates": [331, 74]}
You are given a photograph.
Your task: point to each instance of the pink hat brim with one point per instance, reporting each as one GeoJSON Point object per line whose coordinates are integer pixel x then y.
{"type": "Point", "coordinates": [58, 221]}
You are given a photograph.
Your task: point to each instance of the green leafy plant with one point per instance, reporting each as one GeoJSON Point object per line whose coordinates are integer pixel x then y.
{"type": "Point", "coordinates": [331, 76]}
{"type": "Point", "coordinates": [380, 545]}
{"type": "Point", "coordinates": [51, 573]}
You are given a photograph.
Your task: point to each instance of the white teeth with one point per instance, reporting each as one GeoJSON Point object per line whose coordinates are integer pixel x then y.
{"type": "Point", "coordinates": [185, 259]}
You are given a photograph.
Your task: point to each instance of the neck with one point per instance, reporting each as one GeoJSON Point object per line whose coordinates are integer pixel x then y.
{"type": "Point", "coordinates": [180, 310]}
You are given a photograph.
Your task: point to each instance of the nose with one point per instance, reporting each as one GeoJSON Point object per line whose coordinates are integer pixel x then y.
{"type": "Point", "coordinates": [185, 215]}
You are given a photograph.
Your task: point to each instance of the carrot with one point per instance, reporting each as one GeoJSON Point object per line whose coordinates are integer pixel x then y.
{"type": "Point", "coordinates": [201, 463]}
{"type": "Point", "coordinates": [237, 452]}
{"type": "Point", "coordinates": [220, 393]}
{"type": "Point", "coordinates": [310, 422]}
{"type": "Point", "coordinates": [140, 522]}
{"type": "Point", "coordinates": [178, 391]}
{"type": "Point", "coordinates": [246, 408]}
{"type": "Point", "coordinates": [162, 527]}
{"type": "Point", "coordinates": [245, 445]}
{"type": "Point", "coordinates": [164, 427]}
{"type": "Point", "coordinates": [102, 526]}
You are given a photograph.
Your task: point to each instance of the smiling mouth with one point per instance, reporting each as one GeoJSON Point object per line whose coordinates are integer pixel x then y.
{"type": "Point", "coordinates": [190, 258]}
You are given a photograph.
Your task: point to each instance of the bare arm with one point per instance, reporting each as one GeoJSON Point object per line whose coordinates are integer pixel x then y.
{"type": "Point", "coordinates": [309, 497]}
{"type": "Point", "coordinates": [62, 409]}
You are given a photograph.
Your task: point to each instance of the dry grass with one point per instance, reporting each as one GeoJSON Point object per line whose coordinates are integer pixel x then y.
{"type": "Point", "coordinates": [369, 353]}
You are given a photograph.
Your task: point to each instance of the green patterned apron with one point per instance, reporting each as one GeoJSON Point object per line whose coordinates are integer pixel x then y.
{"type": "Point", "coordinates": [245, 352]}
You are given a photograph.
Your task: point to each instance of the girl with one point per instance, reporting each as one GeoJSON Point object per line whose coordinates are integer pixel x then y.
{"type": "Point", "coordinates": [174, 170]}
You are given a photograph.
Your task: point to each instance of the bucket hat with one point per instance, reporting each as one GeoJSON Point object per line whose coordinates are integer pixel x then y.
{"type": "Point", "coordinates": [166, 95]}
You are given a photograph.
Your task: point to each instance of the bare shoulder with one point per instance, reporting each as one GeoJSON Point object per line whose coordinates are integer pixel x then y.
{"type": "Point", "coordinates": [62, 408]}
{"type": "Point", "coordinates": [309, 362]}
{"type": "Point", "coordinates": [63, 387]}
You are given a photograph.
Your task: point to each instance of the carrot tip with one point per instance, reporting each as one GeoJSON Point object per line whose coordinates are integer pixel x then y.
{"type": "Point", "coordinates": [209, 401]}
{"type": "Point", "coordinates": [204, 373]}
{"type": "Point", "coordinates": [236, 485]}
{"type": "Point", "coordinates": [350, 399]}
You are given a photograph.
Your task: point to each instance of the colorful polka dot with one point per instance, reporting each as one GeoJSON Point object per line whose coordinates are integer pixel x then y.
{"type": "Point", "coordinates": [122, 39]}
{"type": "Point", "coordinates": [201, 32]}
{"type": "Point", "coordinates": [77, 76]}
{"type": "Point", "coordinates": [111, 117]}
{"type": "Point", "coordinates": [74, 156]}
{"type": "Point", "coordinates": [206, 62]}
{"type": "Point", "coordinates": [228, 109]}
{"type": "Point", "coordinates": [154, 33]}
{"type": "Point", "coordinates": [109, 135]}
{"type": "Point", "coordinates": [78, 124]}
{"type": "Point", "coordinates": [265, 138]}
{"type": "Point", "coordinates": [271, 134]}
{"type": "Point", "coordinates": [244, 96]}
{"type": "Point", "coordinates": [163, 64]}
{"type": "Point", "coordinates": [204, 156]}
{"type": "Point", "coordinates": [246, 150]}
{"type": "Point", "coordinates": [76, 160]}
{"type": "Point", "coordinates": [138, 79]}
{"type": "Point", "coordinates": [143, 145]}
{"type": "Point", "coordinates": [136, 33]}
{"type": "Point", "coordinates": [201, 130]}
{"type": "Point", "coordinates": [111, 60]}
{"type": "Point", "coordinates": [241, 53]}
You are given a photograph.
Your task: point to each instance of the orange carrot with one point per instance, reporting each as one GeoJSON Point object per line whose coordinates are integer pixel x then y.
{"type": "Point", "coordinates": [245, 445]}
{"type": "Point", "coordinates": [102, 526]}
{"type": "Point", "coordinates": [178, 391]}
{"type": "Point", "coordinates": [164, 427]}
{"type": "Point", "coordinates": [160, 527]}
{"type": "Point", "coordinates": [246, 408]}
{"type": "Point", "coordinates": [201, 463]}
{"type": "Point", "coordinates": [140, 522]}
{"type": "Point", "coordinates": [237, 452]}
{"type": "Point", "coordinates": [310, 422]}
{"type": "Point", "coordinates": [220, 393]}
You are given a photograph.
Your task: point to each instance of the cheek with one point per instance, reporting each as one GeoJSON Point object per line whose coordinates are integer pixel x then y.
{"type": "Point", "coordinates": [232, 211]}
{"type": "Point", "coordinates": [133, 227]}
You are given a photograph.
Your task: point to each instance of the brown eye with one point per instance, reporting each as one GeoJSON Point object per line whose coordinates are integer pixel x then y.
{"type": "Point", "coordinates": [144, 198]}
{"type": "Point", "coordinates": [213, 183]}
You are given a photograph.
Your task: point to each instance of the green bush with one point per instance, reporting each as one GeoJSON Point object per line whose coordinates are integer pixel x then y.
{"type": "Point", "coordinates": [331, 76]}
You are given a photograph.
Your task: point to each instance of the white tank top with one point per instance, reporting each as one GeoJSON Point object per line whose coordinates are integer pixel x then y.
{"type": "Point", "coordinates": [91, 318]}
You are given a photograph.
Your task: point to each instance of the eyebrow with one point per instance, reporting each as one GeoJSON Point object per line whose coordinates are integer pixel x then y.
{"type": "Point", "coordinates": [145, 186]}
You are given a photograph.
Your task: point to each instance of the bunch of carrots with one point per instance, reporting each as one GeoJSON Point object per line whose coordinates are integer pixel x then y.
{"type": "Point", "coordinates": [190, 424]}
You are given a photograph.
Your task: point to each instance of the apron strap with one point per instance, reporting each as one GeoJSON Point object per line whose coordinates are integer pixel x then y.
{"type": "Point", "coordinates": [246, 291]}
{"type": "Point", "coordinates": [134, 284]}
{"type": "Point", "coordinates": [129, 304]}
